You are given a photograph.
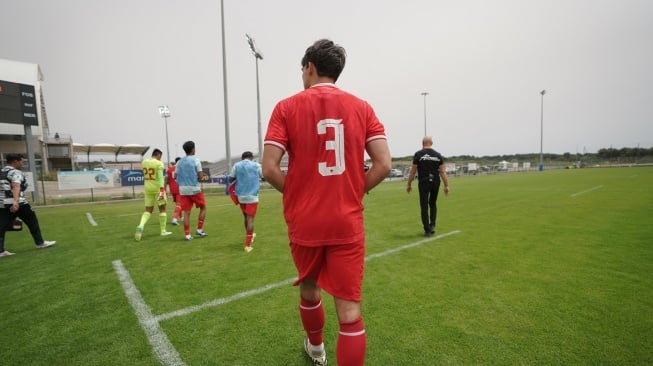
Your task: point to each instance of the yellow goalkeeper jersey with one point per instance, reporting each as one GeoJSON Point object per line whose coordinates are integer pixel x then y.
{"type": "Point", "coordinates": [153, 174]}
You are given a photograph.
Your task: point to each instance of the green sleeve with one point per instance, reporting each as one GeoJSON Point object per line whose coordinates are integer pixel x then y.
{"type": "Point", "coordinates": [160, 177]}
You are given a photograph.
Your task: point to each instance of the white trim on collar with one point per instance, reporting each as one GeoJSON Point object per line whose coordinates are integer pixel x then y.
{"type": "Point", "coordinates": [332, 85]}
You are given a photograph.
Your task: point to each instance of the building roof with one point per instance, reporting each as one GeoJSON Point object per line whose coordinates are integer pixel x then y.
{"type": "Point", "coordinates": [109, 149]}
{"type": "Point", "coordinates": [20, 72]}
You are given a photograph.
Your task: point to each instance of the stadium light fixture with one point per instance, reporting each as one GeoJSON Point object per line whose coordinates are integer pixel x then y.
{"type": "Point", "coordinates": [257, 56]}
{"type": "Point", "coordinates": [424, 94]}
{"type": "Point", "coordinates": [541, 167]}
{"type": "Point", "coordinates": [164, 111]}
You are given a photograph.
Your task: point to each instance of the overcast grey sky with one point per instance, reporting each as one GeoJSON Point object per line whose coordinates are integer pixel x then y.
{"type": "Point", "coordinates": [108, 65]}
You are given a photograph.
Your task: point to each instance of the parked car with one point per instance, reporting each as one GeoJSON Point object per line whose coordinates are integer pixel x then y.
{"type": "Point", "coordinates": [396, 173]}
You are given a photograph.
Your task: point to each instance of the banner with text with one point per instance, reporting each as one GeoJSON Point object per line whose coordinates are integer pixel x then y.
{"type": "Point", "coordinates": [131, 178]}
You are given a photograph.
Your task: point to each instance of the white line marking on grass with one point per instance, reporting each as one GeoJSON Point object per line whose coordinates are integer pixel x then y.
{"type": "Point", "coordinates": [161, 346]}
{"type": "Point", "coordinates": [90, 219]}
{"type": "Point", "coordinates": [224, 300]}
{"type": "Point", "coordinates": [260, 290]}
{"type": "Point", "coordinates": [130, 214]}
{"type": "Point", "coordinates": [587, 190]}
{"type": "Point", "coordinates": [163, 349]}
{"type": "Point", "coordinates": [407, 246]}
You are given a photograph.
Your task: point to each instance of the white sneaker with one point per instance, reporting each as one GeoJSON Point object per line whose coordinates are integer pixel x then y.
{"type": "Point", "coordinates": [46, 244]}
{"type": "Point", "coordinates": [318, 357]}
{"type": "Point", "coordinates": [175, 222]}
{"type": "Point", "coordinates": [6, 254]}
{"type": "Point", "coordinates": [189, 238]}
{"type": "Point", "coordinates": [200, 233]}
{"type": "Point", "coordinates": [166, 233]}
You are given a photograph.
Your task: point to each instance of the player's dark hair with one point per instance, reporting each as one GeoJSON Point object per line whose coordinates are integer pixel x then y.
{"type": "Point", "coordinates": [11, 157]}
{"type": "Point", "coordinates": [157, 152]}
{"type": "Point", "coordinates": [188, 147]}
{"type": "Point", "coordinates": [247, 155]}
{"type": "Point", "coordinates": [177, 159]}
{"type": "Point", "coordinates": [328, 58]}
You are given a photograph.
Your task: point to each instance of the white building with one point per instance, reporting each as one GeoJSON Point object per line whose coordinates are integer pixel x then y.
{"type": "Point", "coordinates": [46, 150]}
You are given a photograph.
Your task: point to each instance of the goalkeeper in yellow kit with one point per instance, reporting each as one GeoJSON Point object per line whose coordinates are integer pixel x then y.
{"type": "Point", "coordinates": [155, 193]}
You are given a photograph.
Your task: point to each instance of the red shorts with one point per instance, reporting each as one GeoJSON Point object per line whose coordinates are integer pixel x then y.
{"type": "Point", "coordinates": [187, 202]}
{"type": "Point", "coordinates": [338, 269]}
{"type": "Point", "coordinates": [249, 209]}
{"type": "Point", "coordinates": [175, 197]}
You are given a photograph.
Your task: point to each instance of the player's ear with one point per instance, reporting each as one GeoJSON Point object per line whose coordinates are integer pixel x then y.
{"type": "Point", "coordinates": [311, 68]}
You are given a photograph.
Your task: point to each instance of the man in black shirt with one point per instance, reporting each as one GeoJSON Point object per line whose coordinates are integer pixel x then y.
{"type": "Point", "coordinates": [429, 166]}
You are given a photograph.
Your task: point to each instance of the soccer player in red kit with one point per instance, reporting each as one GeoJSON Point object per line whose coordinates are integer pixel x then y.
{"type": "Point", "coordinates": [326, 131]}
{"type": "Point", "coordinates": [171, 182]}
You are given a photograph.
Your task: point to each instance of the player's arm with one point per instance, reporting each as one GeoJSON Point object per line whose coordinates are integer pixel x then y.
{"type": "Point", "coordinates": [232, 175]}
{"type": "Point", "coordinates": [15, 193]}
{"type": "Point", "coordinates": [411, 176]}
{"type": "Point", "coordinates": [201, 176]}
{"type": "Point", "coordinates": [381, 163]}
{"type": "Point", "coordinates": [161, 181]}
{"type": "Point", "coordinates": [445, 179]}
{"type": "Point", "coordinates": [271, 167]}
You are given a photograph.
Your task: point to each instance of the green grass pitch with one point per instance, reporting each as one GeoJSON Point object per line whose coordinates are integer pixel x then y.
{"type": "Point", "coordinates": [538, 268]}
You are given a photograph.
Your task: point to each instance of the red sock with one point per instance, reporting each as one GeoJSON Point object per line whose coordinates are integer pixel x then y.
{"type": "Point", "coordinates": [312, 314]}
{"type": "Point", "coordinates": [200, 224]}
{"type": "Point", "coordinates": [177, 213]}
{"type": "Point", "coordinates": [350, 350]}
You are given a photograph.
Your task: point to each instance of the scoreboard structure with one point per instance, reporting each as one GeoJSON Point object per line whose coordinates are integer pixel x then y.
{"type": "Point", "coordinates": [18, 104]}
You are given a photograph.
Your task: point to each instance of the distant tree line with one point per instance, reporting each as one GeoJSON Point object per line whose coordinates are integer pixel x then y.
{"type": "Point", "coordinates": [604, 155]}
{"type": "Point", "coordinates": [625, 152]}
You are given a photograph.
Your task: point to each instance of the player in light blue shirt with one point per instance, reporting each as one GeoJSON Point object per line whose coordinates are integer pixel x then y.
{"type": "Point", "coordinates": [189, 173]}
{"type": "Point", "coordinates": [246, 175]}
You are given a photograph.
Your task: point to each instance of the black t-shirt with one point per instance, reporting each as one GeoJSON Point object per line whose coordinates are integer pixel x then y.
{"type": "Point", "coordinates": [428, 163]}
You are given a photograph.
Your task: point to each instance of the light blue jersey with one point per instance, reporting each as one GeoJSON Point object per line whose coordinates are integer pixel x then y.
{"type": "Point", "coordinates": [186, 173]}
{"type": "Point", "coordinates": [248, 175]}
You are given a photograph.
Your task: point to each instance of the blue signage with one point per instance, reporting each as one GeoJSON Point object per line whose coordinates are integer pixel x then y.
{"type": "Point", "coordinates": [131, 178]}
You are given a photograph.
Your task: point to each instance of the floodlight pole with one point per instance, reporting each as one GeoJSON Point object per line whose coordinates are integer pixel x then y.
{"type": "Point", "coordinates": [257, 56]}
{"type": "Point", "coordinates": [165, 113]}
{"type": "Point", "coordinates": [424, 94]}
{"type": "Point", "coordinates": [225, 89]}
{"type": "Point", "coordinates": [541, 167]}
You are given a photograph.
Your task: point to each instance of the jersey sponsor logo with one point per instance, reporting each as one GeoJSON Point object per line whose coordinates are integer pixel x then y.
{"type": "Point", "coordinates": [429, 157]}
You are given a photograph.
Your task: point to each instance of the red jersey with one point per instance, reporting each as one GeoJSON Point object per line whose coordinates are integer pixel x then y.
{"type": "Point", "coordinates": [324, 130]}
{"type": "Point", "coordinates": [172, 182]}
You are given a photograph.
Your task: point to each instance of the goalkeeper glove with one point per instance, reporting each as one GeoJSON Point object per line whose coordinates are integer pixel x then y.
{"type": "Point", "coordinates": [162, 194]}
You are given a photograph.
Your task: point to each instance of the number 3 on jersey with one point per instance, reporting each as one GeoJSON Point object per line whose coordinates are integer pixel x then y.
{"type": "Point", "coordinates": [337, 145]}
